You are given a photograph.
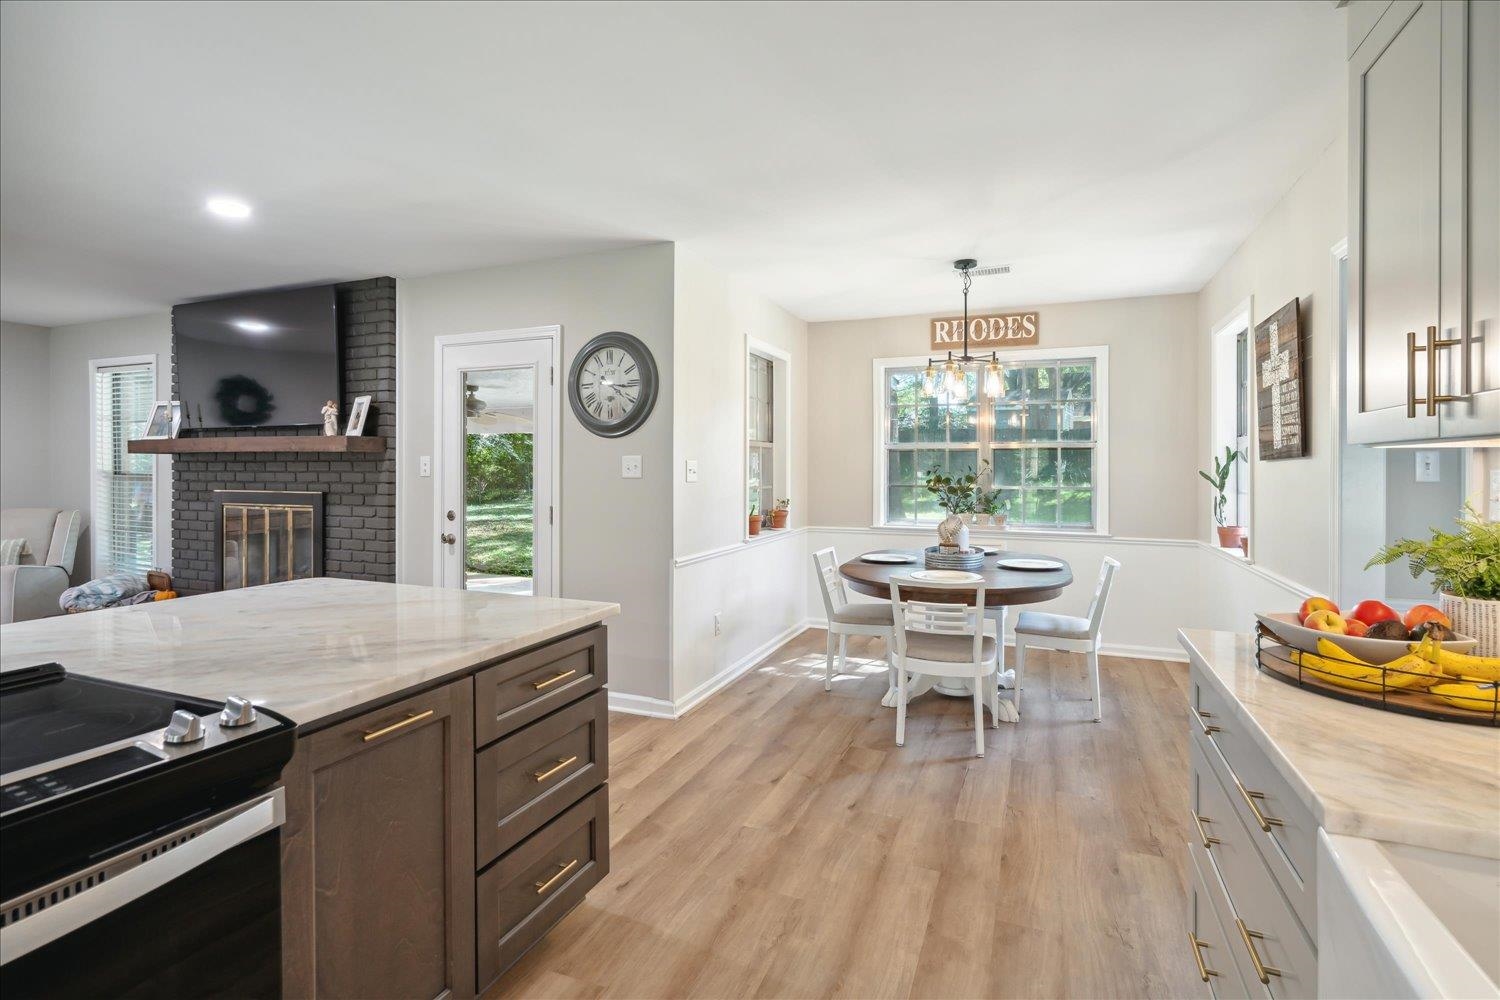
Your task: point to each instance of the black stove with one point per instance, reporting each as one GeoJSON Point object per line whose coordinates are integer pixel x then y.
{"type": "Point", "coordinates": [159, 797]}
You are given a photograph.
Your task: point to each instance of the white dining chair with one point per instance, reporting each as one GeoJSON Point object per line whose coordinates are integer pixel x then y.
{"type": "Point", "coordinates": [1040, 630]}
{"type": "Point", "coordinates": [846, 619]}
{"type": "Point", "coordinates": [946, 640]}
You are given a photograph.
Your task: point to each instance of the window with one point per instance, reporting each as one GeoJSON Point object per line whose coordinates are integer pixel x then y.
{"type": "Point", "coordinates": [1232, 423]}
{"type": "Point", "coordinates": [124, 516]}
{"type": "Point", "coordinates": [1040, 443]}
{"type": "Point", "coordinates": [760, 424]}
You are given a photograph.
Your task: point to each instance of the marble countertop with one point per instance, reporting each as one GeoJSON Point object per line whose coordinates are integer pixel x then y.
{"type": "Point", "coordinates": [307, 649]}
{"type": "Point", "coordinates": [1363, 772]}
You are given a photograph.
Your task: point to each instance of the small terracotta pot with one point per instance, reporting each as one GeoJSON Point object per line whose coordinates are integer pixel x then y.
{"type": "Point", "coordinates": [754, 524]}
{"type": "Point", "coordinates": [778, 517]}
{"type": "Point", "coordinates": [1231, 536]}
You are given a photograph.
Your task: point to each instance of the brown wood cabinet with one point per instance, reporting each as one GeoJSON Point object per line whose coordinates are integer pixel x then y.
{"type": "Point", "coordinates": [385, 810]}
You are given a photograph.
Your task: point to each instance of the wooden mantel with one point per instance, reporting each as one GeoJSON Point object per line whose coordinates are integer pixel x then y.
{"type": "Point", "coordinates": [209, 444]}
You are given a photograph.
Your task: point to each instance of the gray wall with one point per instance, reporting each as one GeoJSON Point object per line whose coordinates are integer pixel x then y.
{"type": "Point", "coordinates": [1413, 509]}
{"type": "Point", "coordinates": [25, 479]}
{"type": "Point", "coordinates": [616, 534]}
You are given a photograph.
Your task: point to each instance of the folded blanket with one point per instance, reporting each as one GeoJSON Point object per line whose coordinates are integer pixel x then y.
{"type": "Point", "coordinates": [102, 593]}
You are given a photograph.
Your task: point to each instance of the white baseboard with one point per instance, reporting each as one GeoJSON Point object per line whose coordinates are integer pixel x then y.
{"type": "Point", "coordinates": [729, 674]}
{"type": "Point", "coordinates": [1174, 653]}
{"type": "Point", "coordinates": [634, 704]}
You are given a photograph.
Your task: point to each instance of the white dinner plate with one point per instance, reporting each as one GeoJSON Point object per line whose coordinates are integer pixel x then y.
{"type": "Point", "coordinates": [890, 558]}
{"type": "Point", "coordinates": [1031, 564]}
{"type": "Point", "coordinates": [946, 576]}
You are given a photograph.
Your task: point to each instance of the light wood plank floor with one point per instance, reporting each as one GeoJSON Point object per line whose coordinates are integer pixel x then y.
{"type": "Point", "coordinates": [777, 843]}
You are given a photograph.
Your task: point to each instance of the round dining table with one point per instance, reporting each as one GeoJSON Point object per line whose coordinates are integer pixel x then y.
{"type": "Point", "coordinates": [1003, 589]}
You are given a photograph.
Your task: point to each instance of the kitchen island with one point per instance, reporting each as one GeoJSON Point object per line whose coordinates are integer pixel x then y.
{"type": "Point", "coordinates": [446, 803]}
{"type": "Point", "coordinates": [1339, 850]}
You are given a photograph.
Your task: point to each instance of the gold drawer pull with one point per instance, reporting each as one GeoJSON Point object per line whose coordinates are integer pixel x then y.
{"type": "Point", "coordinates": [562, 870]}
{"type": "Point", "coordinates": [1263, 972]}
{"type": "Point", "coordinates": [562, 762]}
{"type": "Point", "coordinates": [1265, 822]}
{"type": "Point", "coordinates": [1208, 841]}
{"type": "Point", "coordinates": [1203, 971]}
{"type": "Point", "coordinates": [411, 719]}
{"type": "Point", "coordinates": [543, 685]}
{"type": "Point", "coordinates": [1208, 730]}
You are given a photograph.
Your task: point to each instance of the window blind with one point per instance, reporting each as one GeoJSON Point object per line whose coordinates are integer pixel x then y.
{"type": "Point", "coordinates": [124, 522]}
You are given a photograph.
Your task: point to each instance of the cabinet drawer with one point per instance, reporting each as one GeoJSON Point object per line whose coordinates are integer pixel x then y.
{"type": "Point", "coordinates": [1214, 933]}
{"type": "Point", "coordinates": [521, 690]}
{"type": "Point", "coordinates": [523, 894]}
{"type": "Point", "coordinates": [1263, 924]}
{"type": "Point", "coordinates": [525, 779]}
{"type": "Point", "coordinates": [1284, 831]}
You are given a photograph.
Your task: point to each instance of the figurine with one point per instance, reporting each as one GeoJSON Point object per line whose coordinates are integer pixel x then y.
{"type": "Point", "coordinates": [330, 418]}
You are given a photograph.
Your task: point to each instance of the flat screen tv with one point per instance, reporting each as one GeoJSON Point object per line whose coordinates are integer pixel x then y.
{"type": "Point", "coordinates": [264, 359]}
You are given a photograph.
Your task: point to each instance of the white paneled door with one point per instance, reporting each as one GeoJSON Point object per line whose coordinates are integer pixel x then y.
{"type": "Point", "coordinates": [496, 526]}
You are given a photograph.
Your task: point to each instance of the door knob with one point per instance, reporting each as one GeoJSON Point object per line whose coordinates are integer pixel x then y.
{"type": "Point", "coordinates": [446, 538]}
{"type": "Point", "coordinates": [451, 515]}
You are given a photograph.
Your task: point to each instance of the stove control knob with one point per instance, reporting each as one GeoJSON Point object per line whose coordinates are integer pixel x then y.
{"type": "Point", "coordinates": [185, 727]}
{"type": "Point", "coordinates": [237, 712]}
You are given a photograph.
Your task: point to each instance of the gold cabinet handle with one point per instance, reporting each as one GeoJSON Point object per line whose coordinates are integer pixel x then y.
{"type": "Point", "coordinates": [1208, 730]}
{"type": "Point", "coordinates": [1208, 841]}
{"type": "Point", "coordinates": [1411, 373]}
{"type": "Point", "coordinates": [562, 762]}
{"type": "Point", "coordinates": [411, 720]}
{"type": "Point", "coordinates": [1262, 820]}
{"type": "Point", "coordinates": [1203, 971]}
{"type": "Point", "coordinates": [562, 870]}
{"type": "Point", "coordinates": [544, 685]}
{"type": "Point", "coordinates": [1431, 348]}
{"type": "Point", "coordinates": [1263, 972]}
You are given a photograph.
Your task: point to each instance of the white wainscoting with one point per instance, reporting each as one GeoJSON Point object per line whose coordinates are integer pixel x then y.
{"type": "Point", "coordinates": [765, 593]}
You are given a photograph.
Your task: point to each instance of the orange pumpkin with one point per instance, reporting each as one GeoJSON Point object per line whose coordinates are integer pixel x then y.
{"type": "Point", "coordinates": [164, 595]}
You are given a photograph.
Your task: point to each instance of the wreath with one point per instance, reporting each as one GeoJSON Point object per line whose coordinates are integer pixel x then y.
{"type": "Point", "coordinates": [243, 402]}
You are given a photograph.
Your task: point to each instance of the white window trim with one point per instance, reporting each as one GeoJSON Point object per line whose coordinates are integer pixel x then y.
{"type": "Point", "coordinates": [1099, 355]}
{"type": "Point", "coordinates": [781, 428]}
{"type": "Point", "coordinates": [1221, 341]}
{"type": "Point", "coordinates": [161, 468]}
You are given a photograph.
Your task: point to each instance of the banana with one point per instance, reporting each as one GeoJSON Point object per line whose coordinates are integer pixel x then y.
{"type": "Point", "coordinates": [1458, 664]}
{"type": "Point", "coordinates": [1472, 693]}
{"type": "Point", "coordinates": [1349, 675]}
{"type": "Point", "coordinates": [1409, 671]}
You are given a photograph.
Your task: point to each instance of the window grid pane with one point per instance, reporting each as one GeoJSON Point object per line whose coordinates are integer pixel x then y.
{"type": "Point", "coordinates": [124, 484]}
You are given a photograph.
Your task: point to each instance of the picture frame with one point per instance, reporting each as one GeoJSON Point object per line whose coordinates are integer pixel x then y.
{"type": "Point", "coordinates": [357, 413]}
{"type": "Point", "coordinates": [1280, 386]}
{"type": "Point", "coordinates": [164, 422]}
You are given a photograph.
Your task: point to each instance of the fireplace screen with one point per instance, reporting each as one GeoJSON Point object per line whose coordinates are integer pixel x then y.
{"type": "Point", "coordinates": [268, 537]}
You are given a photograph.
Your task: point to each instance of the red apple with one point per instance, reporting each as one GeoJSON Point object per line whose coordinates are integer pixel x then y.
{"type": "Point", "coordinates": [1355, 627]}
{"type": "Point", "coordinates": [1374, 612]}
{"type": "Point", "coordinates": [1325, 621]}
{"type": "Point", "coordinates": [1315, 604]}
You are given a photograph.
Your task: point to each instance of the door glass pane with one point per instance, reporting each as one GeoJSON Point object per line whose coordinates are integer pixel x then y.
{"type": "Point", "coordinates": [499, 515]}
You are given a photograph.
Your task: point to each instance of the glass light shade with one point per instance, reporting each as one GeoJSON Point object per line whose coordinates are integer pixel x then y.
{"type": "Point", "coordinates": [930, 381]}
{"type": "Point", "coordinates": [957, 383]}
{"type": "Point", "coordinates": [992, 380]}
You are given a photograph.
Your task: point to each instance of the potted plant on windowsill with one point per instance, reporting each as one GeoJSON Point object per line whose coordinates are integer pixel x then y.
{"type": "Point", "coordinates": [1231, 536]}
{"type": "Point", "coordinates": [992, 508]}
{"type": "Point", "coordinates": [1465, 568]}
{"type": "Point", "coordinates": [780, 512]}
{"type": "Point", "coordinates": [955, 495]}
{"type": "Point", "coordinates": [754, 519]}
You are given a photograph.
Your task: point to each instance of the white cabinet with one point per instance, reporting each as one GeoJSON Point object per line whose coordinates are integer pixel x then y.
{"type": "Point", "coordinates": [1423, 353]}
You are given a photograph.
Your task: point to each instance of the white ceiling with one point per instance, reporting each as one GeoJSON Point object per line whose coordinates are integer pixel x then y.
{"type": "Point", "coordinates": [836, 156]}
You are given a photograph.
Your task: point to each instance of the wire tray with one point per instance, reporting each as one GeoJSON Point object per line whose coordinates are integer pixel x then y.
{"type": "Point", "coordinates": [1394, 690]}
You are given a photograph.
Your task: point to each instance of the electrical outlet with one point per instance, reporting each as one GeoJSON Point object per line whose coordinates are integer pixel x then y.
{"type": "Point", "coordinates": [718, 623]}
{"type": "Point", "coordinates": [630, 466]}
{"type": "Point", "coordinates": [424, 466]}
{"type": "Point", "coordinates": [690, 471]}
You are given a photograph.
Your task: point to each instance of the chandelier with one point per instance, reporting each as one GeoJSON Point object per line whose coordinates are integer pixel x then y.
{"type": "Point", "coordinates": [950, 378]}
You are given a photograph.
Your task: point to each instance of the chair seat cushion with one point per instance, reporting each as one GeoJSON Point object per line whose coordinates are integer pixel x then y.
{"type": "Point", "coordinates": [1053, 626]}
{"type": "Point", "coordinates": [947, 648]}
{"type": "Point", "coordinates": [864, 614]}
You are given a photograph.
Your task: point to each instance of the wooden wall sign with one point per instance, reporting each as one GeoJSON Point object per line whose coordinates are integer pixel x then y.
{"type": "Point", "coordinates": [991, 332]}
{"type": "Point", "coordinates": [1281, 399]}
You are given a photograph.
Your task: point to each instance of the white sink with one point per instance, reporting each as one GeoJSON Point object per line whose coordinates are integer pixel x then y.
{"type": "Point", "coordinates": [1401, 921]}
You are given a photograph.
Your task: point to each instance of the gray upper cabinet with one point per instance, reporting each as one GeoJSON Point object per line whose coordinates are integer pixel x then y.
{"type": "Point", "coordinates": [1423, 353]}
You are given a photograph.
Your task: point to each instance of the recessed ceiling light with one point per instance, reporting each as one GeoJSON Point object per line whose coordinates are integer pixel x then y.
{"type": "Point", "coordinates": [228, 208]}
{"type": "Point", "coordinates": [251, 325]}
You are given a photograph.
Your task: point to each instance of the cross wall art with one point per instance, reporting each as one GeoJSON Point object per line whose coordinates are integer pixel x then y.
{"type": "Point", "coordinates": [1279, 395]}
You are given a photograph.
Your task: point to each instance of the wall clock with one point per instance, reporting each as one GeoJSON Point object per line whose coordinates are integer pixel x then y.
{"type": "Point", "coordinates": [612, 384]}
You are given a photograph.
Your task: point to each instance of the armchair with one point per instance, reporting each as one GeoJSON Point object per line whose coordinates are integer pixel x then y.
{"type": "Point", "coordinates": [31, 590]}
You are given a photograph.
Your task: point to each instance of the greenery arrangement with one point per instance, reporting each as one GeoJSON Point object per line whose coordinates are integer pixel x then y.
{"type": "Point", "coordinates": [955, 494]}
{"type": "Point", "coordinates": [1464, 563]}
{"type": "Point", "coordinates": [990, 502]}
{"type": "Point", "coordinates": [1220, 480]}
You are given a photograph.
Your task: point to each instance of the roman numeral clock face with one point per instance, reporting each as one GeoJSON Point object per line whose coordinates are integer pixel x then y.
{"type": "Point", "coordinates": [613, 384]}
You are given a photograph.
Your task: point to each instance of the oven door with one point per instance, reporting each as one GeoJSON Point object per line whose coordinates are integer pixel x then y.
{"type": "Point", "coordinates": [193, 913]}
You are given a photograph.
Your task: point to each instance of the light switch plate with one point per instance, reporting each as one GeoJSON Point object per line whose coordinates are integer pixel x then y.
{"type": "Point", "coordinates": [424, 466]}
{"type": "Point", "coordinates": [630, 466]}
{"type": "Point", "coordinates": [1427, 467]}
{"type": "Point", "coordinates": [690, 471]}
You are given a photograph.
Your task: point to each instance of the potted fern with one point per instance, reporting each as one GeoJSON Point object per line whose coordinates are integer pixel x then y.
{"type": "Point", "coordinates": [1231, 536]}
{"type": "Point", "coordinates": [1465, 568]}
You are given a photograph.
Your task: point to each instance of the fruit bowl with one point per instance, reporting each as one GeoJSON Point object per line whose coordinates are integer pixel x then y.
{"type": "Point", "coordinates": [1284, 626]}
